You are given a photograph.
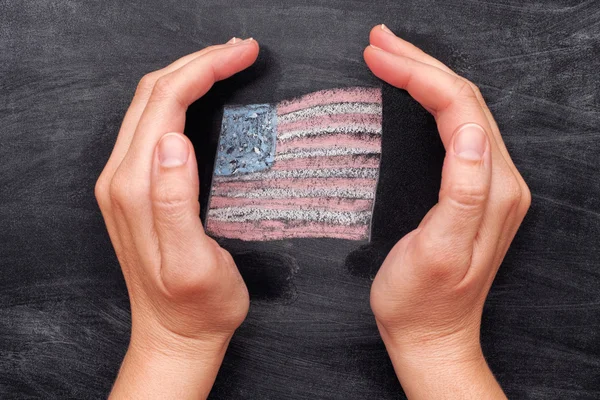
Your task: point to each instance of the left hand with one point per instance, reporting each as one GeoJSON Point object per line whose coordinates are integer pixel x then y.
{"type": "Point", "coordinates": [187, 296]}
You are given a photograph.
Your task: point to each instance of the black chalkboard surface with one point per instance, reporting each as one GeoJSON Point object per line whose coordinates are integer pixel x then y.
{"type": "Point", "coordinates": [68, 70]}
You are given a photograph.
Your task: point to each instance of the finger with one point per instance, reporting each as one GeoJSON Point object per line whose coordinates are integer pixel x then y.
{"type": "Point", "coordinates": [139, 102]}
{"type": "Point", "coordinates": [125, 135]}
{"type": "Point", "coordinates": [451, 101]}
{"type": "Point", "coordinates": [448, 235]}
{"type": "Point", "coordinates": [175, 208]}
{"type": "Point", "coordinates": [174, 92]}
{"type": "Point", "coordinates": [521, 200]}
{"type": "Point", "coordinates": [384, 38]}
{"type": "Point", "coordinates": [165, 113]}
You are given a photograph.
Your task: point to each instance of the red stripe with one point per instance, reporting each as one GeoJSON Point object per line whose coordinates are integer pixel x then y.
{"type": "Point", "coordinates": [331, 121]}
{"type": "Point", "coordinates": [293, 183]}
{"type": "Point", "coordinates": [331, 142]}
{"type": "Point", "coordinates": [350, 95]}
{"type": "Point", "coordinates": [277, 230]}
{"type": "Point", "coordinates": [358, 161]}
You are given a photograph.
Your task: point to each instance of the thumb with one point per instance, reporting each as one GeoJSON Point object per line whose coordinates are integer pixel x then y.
{"type": "Point", "coordinates": [449, 232]}
{"type": "Point", "coordinates": [176, 211]}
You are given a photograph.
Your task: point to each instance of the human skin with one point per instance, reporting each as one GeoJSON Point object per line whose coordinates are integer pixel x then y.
{"type": "Point", "coordinates": [428, 295]}
{"type": "Point", "coordinates": [187, 296]}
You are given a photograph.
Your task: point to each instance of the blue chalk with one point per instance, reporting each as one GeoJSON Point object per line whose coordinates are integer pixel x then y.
{"type": "Point", "coordinates": [248, 139]}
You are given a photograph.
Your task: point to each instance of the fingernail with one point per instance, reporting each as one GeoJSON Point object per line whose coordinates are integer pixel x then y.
{"type": "Point", "coordinates": [470, 142]}
{"type": "Point", "coordinates": [173, 151]}
{"type": "Point", "coordinates": [233, 40]}
{"type": "Point", "coordinates": [245, 41]}
{"type": "Point", "coordinates": [386, 29]}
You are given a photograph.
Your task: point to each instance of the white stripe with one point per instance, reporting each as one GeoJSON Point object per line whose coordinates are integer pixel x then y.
{"type": "Point", "coordinates": [329, 109]}
{"type": "Point", "coordinates": [308, 153]}
{"type": "Point", "coordinates": [360, 173]}
{"type": "Point", "coordinates": [245, 214]}
{"type": "Point", "coordinates": [268, 193]}
{"type": "Point", "coordinates": [349, 130]}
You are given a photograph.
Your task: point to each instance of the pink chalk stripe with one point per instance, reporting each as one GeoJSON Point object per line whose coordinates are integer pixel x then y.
{"type": "Point", "coordinates": [349, 95]}
{"type": "Point", "coordinates": [329, 142]}
{"type": "Point", "coordinates": [277, 230]}
{"type": "Point", "coordinates": [220, 188]}
{"type": "Point", "coordinates": [329, 204]}
{"type": "Point", "coordinates": [331, 121]}
{"type": "Point", "coordinates": [357, 161]}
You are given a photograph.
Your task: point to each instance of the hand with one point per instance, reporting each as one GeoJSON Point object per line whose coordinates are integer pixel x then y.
{"type": "Point", "coordinates": [187, 296]}
{"type": "Point", "coordinates": [429, 293]}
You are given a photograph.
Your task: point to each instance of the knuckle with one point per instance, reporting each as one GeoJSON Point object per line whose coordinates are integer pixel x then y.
{"type": "Point", "coordinates": [466, 196]}
{"type": "Point", "coordinates": [511, 195]}
{"type": "Point", "coordinates": [474, 87]}
{"type": "Point", "coordinates": [461, 92]}
{"type": "Point", "coordinates": [163, 85]}
{"type": "Point", "coordinates": [146, 84]}
{"type": "Point", "coordinates": [446, 272]}
{"type": "Point", "coordinates": [525, 198]}
{"type": "Point", "coordinates": [195, 280]}
{"type": "Point", "coordinates": [164, 90]}
{"type": "Point", "coordinates": [464, 88]}
{"type": "Point", "coordinates": [431, 251]}
{"type": "Point", "coordinates": [117, 192]}
{"type": "Point", "coordinates": [441, 261]}
{"type": "Point", "coordinates": [177, 285]}
{"type": "Point", "coordinates": [101, 192]}
{"type": "Point", "coordinates": [123, 193]}
{"type": "Point", "coordinates": [172, 209]}
{"type": "Point", "coordinates": [389, 313]}
{"type": "Point", "coordinates": [476, 90]}
{"type": "Point", "coordinates": [171, 200]}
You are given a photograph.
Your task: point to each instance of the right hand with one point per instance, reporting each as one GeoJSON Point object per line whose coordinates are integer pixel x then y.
{"type": "Point", "coordinates": [429, 294]}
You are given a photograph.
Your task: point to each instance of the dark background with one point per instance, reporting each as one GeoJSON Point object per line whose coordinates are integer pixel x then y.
{"type": "Point", "coordinates": [68, 69]}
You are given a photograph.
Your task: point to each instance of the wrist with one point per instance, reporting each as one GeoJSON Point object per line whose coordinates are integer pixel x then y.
{"type": "Point", "coordinates": [164, 366]}
{"type": "Point", "coordinates": [432, 348]}
{"type": "Point", "coordinates": [158, 342]}
{"type": "Point", "coordinates": [445, 379]}
{"type": "Point", "coordinates": [445, 368]}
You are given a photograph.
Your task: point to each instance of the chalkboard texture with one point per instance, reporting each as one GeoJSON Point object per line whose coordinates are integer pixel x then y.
{"type": "Point", "coordinates": [68, 69]}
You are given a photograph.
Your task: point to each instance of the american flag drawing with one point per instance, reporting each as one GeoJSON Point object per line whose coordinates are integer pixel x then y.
{"type": "Point", "coordinates": [302, 168]}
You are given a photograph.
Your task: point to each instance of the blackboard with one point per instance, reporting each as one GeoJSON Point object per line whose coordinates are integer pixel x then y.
{"type": "Point", "coordinates": [68, 69]}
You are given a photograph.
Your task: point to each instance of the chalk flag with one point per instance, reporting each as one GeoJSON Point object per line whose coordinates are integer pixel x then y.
{"type": "Point", "coordinates": [302, 168]}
